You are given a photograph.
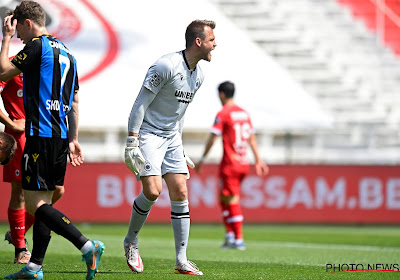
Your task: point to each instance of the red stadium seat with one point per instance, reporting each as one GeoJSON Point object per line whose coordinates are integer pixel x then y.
{"type": "Point", "coordinates": [366, 11]}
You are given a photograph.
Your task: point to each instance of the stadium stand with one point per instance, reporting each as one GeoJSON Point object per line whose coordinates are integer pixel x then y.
{"type": "Point", "coordinates": [340, 60]}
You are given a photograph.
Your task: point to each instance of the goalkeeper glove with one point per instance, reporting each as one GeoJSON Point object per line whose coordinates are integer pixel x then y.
{"type": "Point", "coordinates": [189, 162]}
{"type": "Point", "coordinates": [134, 158]}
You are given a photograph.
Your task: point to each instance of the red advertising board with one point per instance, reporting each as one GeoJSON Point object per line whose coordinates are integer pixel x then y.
{"type": "Point", "coordinates": [104, 192]}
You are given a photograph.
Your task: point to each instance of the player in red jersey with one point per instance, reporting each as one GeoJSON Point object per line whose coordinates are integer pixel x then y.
{"type": "Point", "coordinates": [19, 219]}
{"type": "Point", "coordinates": [234, 124]}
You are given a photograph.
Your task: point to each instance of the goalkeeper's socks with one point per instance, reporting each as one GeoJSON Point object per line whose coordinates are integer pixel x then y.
{"type": "Point", "coordinates": [140, 211]}
{"type": "Point", "coordinates": [180, 221]}
{"type": "Point", "coordinates": [60, 224]}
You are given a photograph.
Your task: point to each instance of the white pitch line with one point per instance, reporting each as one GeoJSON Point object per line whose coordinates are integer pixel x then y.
{"type": "Point", "coordinates": [314, 245]}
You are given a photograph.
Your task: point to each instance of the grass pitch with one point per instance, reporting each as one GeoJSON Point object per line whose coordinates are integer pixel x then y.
{"type": "Point", "coordinates": [273, 252]}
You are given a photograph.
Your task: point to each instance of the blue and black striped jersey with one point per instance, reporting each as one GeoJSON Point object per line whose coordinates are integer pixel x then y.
{"type": "Point", "coordinates": [50, 82]}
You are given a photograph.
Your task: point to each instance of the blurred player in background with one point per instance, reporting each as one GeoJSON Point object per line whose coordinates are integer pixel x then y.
{"type": "Point", "coordinates": [234, 124]}
{"type": "Point", "coordinates": [19, 219]}
{"type": "Point", "coordinates": [154, 148]}
{"type": "Point", "coordinates": [51, 101]}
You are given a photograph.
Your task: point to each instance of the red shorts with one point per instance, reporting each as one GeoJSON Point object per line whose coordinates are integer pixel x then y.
{"type": "Point", "coordinates": [12, 171]}
{"type": "Point", "coordinates": [231, 178]}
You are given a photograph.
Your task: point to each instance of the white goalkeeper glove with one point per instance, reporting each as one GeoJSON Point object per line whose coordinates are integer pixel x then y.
{"type": "Point", "coordinates": [134, 158]}
{"type": "Point", "coordinates": [189, 162]}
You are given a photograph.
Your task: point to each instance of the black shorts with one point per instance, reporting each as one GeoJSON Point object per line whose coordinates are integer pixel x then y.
{"type": "Point", "coordinates": [44, 163]}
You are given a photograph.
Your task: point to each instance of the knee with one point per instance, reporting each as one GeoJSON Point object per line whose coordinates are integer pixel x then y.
{"type": "Point", "coordinates": [151, 194]}
{"type": "Point", "coordinates": [179, 194]}
{"type": "Point", "coordinates": [58, 193]}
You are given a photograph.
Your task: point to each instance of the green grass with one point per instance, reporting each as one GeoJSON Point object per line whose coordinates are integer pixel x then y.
{"type": "Point", "coordinates": [273, 252]}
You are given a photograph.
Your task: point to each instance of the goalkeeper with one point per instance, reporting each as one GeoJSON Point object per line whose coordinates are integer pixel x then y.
{"type": "Point", "coordinates": [154, 148]}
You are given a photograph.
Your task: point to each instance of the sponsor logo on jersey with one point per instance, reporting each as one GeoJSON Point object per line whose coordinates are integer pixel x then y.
{"type": "Point", "coordinates": [57, 45]}
{"type": "Point", "coordinates": [21, 56]}
{"type": "Point", "coordinates": [184, 96]}
{"type": "Point", "coordinates": [28, 179]}
{"type": "Point", "coordinates": [155, 80]}
{"type": "Point", "coordinates": [54, 105]}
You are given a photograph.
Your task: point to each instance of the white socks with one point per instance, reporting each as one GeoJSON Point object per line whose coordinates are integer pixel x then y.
{"type": "Point", "coordinates": [180, 221]}
{"type": "Point", "coordinates": [140, 210]}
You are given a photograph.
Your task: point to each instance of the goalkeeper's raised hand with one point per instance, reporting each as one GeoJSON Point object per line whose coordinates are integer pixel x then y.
{"type": "Point", "coordinates": [134, 159]}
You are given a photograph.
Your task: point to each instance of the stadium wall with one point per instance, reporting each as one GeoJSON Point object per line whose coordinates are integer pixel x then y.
{"type": "Point", "coordinates": [104, 192]}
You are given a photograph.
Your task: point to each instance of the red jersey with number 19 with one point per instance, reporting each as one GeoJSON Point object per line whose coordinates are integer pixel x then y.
{"type": "Point", "coordinates": [234, 124]}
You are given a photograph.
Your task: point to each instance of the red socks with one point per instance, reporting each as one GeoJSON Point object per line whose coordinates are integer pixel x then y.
{"type": "Point", "coordinates": [236, 220]}
{"type": "Point", "coordinates": [16, 219]}
{"type": "Point", "coordinates": [233, 219]}
{"type": "Point", "coordinates": [225, 217]}
{"type": "Point", "coordinates": [29, 221]}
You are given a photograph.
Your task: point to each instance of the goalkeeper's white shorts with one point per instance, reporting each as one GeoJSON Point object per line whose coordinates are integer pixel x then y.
{"type": "Point", "coordinates": [163, 155]}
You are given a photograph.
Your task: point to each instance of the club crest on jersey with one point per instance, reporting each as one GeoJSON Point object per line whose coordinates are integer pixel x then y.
{"type": "Point", "coordinates": [155, 80]}
{"type": "Point", "coordinates": [147, 166]}
{"type": "Point", "coordinates": [197, 83]}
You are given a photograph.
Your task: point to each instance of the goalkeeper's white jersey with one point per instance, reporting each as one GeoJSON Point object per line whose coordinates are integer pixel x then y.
{"type": "Point", "coordinates": [175, 86]}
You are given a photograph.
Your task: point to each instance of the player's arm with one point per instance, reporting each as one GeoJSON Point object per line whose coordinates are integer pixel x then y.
{"type": "Point", "coordinates": [142, 102]}
{"type": "Point", "coordinates": [17, 125]}
{"type": "Point", "coordinates": [7, 69]}
{"type": "Point", "coordinates": [134, 159]}
{"type": "Point", "coordinates": [261, 168]}
{"type": "Point", "coordinates": [210, 142]}
{"type": "Point", "coordinates": [75, 151]}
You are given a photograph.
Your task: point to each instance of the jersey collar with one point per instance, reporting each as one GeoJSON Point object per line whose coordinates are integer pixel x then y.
{"type": "Point", "coordinates": [187, 64]}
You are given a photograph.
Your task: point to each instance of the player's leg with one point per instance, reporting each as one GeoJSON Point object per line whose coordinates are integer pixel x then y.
{"type": "Point", "coordinates": [176, 174]}
{"type": "Point", "coordinates": [230, 198]}
{"type": "Point", "coordinates": [225, 213]}
{"type": "Point", "coordinates": [16, 218]}
{"type": "Point", "coordinates": [45, 173]}
{"type": "Point", "coordinates": [153, 149]}
{"type": "Point", "coordinates": [57, 194]}
{"type": "Point", "coordinates": [152, 186]}
{"type": "Point", "coordinates": [180, 220]}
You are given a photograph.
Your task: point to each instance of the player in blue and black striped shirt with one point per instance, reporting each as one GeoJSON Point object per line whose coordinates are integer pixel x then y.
{"type": "Point", "coordinates": [51, 105]}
